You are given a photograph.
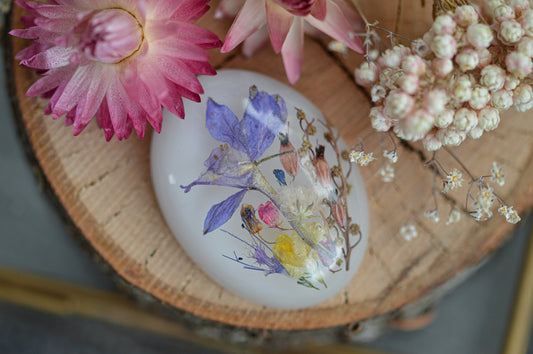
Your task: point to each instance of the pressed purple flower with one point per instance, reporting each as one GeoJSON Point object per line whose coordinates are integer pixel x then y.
{"type": "Point", "coordinates": [116, 60]}
{"type": "Point", "coordinates": [244, 141]}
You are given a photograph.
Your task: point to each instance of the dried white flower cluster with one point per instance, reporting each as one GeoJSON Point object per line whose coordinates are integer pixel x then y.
{"type": "Point", "coordinates": [454, 81]}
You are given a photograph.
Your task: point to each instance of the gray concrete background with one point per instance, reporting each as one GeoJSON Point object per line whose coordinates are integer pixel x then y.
{"type": "Point", "coordinates": [472, 319]}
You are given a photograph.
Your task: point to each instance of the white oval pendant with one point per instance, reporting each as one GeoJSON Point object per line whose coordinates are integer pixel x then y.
{"type": "Point", "coordinates": [255, 187]}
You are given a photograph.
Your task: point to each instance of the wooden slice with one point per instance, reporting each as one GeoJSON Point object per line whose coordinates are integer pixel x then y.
{"type": "Point", "coordinates": [105, 187]}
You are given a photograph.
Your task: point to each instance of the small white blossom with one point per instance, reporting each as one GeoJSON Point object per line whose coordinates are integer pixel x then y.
{"type": "Point", "coordinates": [479, 35]}
{"type": "Point", "coordinates": [511, 82]}
{"type": "Point", "coordinates": [435, 101]}
{"type": "Point", "coordinates": [408, 83]}
{"type": "Point", "coordinates": [497, 174]}
{"type": "Point", "coordinates": [432, 215]}
{"type": "Point", "coordinates": [431, 142]}
{"type": "Point", "coordinates": [476, 214]}
{"type": "Point", "coordinates": [361, 158]}
{"type": "Point", "coordinates": [451, 136]}
{"type": "Point", "coordinates": [387, 173]}
{"type": "Point", "coordinates": [485, 200]}
{"type": "Point", "coordinates": [408, 232]}
{"type": "Point", "coordinates": [491, 5]}
{"type": "Point", "coordinates": [462, 90]}
{"type": "Point", "coordinates": [488, 118]}
{"type": "Point", "coordinates": [510, 32]}
{"type": "Point", "coordinates": [453, 181]}
{"type": "Point", "coordinates": [454, 217]}
{"type": "Point", "coordinates": [391, 155]}
{"type": "Point", "coordinates": [465, 15]}
{"type": "Point", "coordinates": [485, 57]}
{"type": "Point", "coordinates": [417, 124]}
{"type": "Point", "coordinates": [414, 65]}
{"type": "Point", "coordinates": [391, 58]}
{"type": "Point", "coordinates": [338, 47]}
{"type": "Point", "coordinates": [511, 216]}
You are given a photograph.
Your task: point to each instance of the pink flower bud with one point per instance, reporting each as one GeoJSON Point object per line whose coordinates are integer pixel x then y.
{"type": "Point", "coordinates": [323, 172]}
{"type": "Point", "coordinates": [338, 213]}
{"type": "Point", "coordinates": [297, 7]}
{"type": "Point", "coordinates": [289, 160]}
{"type": "Point", "coordinates": [111, 35]}
{"type": "Point", "coordinates": [269, 214]}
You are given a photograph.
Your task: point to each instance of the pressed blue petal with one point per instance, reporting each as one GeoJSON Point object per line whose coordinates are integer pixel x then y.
{"type": "Point", "coordinates": [224, 126]}
{"type": "Point", "coordinates": [222, 212]}
{"type": "Point", "coordinates": [264, 119]}
{"type": "Point", "coordinates": [225, 167]}
{"type": "Point", "coordinates": [280, 176]}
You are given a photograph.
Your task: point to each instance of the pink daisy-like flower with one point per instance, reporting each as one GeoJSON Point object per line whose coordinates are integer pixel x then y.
{"type": "Point", "coordinates": [118, 60]}
{"type": "Point", "coordinates": [285, 20]}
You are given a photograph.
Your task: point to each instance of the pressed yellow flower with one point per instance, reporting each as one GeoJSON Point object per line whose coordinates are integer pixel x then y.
{"type": "Point", "coordinates": [293, 253]}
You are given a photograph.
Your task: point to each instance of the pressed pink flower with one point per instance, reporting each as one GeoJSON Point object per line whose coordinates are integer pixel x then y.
{"type": "Point", "coordinates": [118, 60]}
{"type": "Point", "coordinates": [269, 214]}
{"type": "Point", "coordinates": [285, 21]}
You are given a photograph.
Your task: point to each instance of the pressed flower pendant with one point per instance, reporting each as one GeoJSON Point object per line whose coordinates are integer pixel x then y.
{"type": "Point", "coordinates": [259, 191]}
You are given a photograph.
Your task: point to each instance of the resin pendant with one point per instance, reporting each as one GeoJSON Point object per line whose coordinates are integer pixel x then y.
{"type": "Point", "coordinates": [258, 190]}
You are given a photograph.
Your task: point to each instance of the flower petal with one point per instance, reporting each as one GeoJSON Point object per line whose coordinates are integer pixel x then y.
{"type": "Point", "coordinates": [220, 213]}
{"type": "Point", "coordinates": [255, 42]}
{"type": "Point", "coordinates": [224, 126]}
{"type": "Point", "coordinates": [292, 51]}
{"type": "Point", "coordinates": [279, 23]}
{"type": "Point", "coordinates": [319, 10]}
{"type": "Point", "coordinates": [336, 26]}
{"type": "Point", "coordinates": [250, 18]}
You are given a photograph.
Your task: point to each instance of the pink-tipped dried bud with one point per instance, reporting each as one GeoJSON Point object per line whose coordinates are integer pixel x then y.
{"type": "Point", "coordinates": [377, 93]}
{"type": "Point", "coordinates": [443, 24]}
{"type": "Point", "coordinates": [417, 124]}
{"type": "Point", "coordinates": [269, 214]}
{"type": "Point", "coordinates": [442, 67]}
{"type": "Point", "coordinates": [444, 118]}
{"type": "Point", "coordinates": [525, 46]}
{"type": "Point", "coordinates": [503, 13]}
{"type": "Point", "coordinates": [431, 142]}
{"type": "Point", "coordinates": [527, 22]}
{"type": "Point", "coordinates": [523, 98]}
{"type": "Point", "coordinates": [488, 118]}
{"type": "Point", "coordinates": [451, 136]}
{"type": "Point", "coordinates": [290, 158]}
{"type": "Point", "coordinates": [322, 170]}
{"type": "Point", "coordinates": [519, 5]}
{"type": "Point", "coordinates": [480, 97]}
{"type": "Point", "coordinates": [479, 35]}
{"type": "Point", "coordinates": [413, 65]}
{"type": "Point", "coordinates": [366, 74]}
{"type": "Point", "coordinates": [420, 47]}
{"type": "Point", "coordinates": [408, 83]}
{"type": "Point", "coordinates": [510, 32]}
{"type": "Point", "coordinates": [465, 15]}
{"type": "Point", "coordinates": [518, 64]}
{"type": "Point", "coordinates": [491, 5]}
{"type": "Point", "coordinates": [465, 119]}
{"type": "Point", "coordinates": [444, 46]}
{"type": "Point", "coordinates": [467, 59]}
{"type": "Point", "coordinates": [462, 90]}
{"type": "Point", "coordinates": [485, 57]}
{"type": "Point", "coordinates": [392, 58]}
{"type": "Point", "coordinates": [398, 104]}
{"type": "Point", "coordinates": [493, 77]}
{"type": "Point", "coordinates": [475, 133]}
{"type": "Point", "coordinates": [435, 100]}
{"type": "Point", "coordinates": [379, 120]}
{"type": "Point", "coordinates": [339, 213]}
{"type": "Point", "coordinates": [502, 99]}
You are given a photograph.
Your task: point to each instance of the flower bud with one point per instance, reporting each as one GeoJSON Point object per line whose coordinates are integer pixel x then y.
{"type": "Point", "coordinates": [323, 172]}
{"type": "Point", "coordinates": [289, 160]}
{"type": "Point", "coordinates": [338, 213]}
{"type": "Point", "coordinates": [249, 220]}
{"type": "Point", "coordinates": [297, 7]}
{"type": "Point", "coordinates": [269, 214]}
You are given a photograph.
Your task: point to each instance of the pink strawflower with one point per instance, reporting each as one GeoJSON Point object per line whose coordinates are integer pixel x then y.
{"type": "Point", "coordinates": [269, 214]}
{"type": "Point", "coordinates": [285, 21]}
{"type": "Point", "coordinates": [118, 60]}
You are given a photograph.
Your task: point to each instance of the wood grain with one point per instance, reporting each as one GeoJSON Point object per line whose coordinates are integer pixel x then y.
{"type": "Point", "coordinates": [106, 189]}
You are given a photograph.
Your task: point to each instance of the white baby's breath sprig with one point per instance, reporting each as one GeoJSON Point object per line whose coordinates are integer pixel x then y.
{"type": "Point", "coordinates": [497, 174]}
{"type": "Point", "coordinates": [408, 232]}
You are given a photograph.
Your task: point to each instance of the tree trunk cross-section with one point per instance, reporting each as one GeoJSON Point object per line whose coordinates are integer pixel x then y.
{"type": "Point", "coordinates": [106, 189]}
